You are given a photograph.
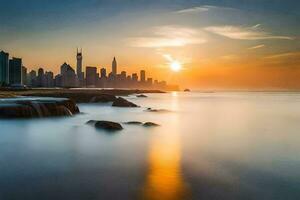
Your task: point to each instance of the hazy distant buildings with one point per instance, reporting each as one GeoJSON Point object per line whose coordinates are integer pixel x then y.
{"type": "Point", "coordinates": [4, 68]}
{"type": "Point", "coordinates": [143, 76]}
{"type": "Point", "coordinates": [15, 71]}
{"type": "Point", "coordinates": [31, 78]}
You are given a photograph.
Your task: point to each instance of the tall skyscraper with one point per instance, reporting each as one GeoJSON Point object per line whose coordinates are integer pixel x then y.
{"type": "Point", "coordinates": [80, 74]}
{"type": "Point", "coordinates": [79, 62]}
{"type": "Point", "coordinates": [114, 67]}
{"type": "Point", "coordinates": [143, 75]}
{"type": "Point", "coordinates": [15, 71]}
{"type": "Point", "coordinates": [4, 68]}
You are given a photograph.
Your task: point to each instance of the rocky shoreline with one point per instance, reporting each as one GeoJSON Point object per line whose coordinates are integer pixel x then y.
{"type": "Point", "coordinates": [59, 102]}
{"type": "Point", "coordinates": [77, 95]}
{"type": "Point", "coordinates": [37, 108]}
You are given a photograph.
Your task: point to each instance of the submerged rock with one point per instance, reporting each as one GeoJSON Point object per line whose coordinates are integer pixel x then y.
{"type": "Point", "coordinates": [156, 110]}
{"type": "Point", "coordinates": [150, 124]}
{"type": "Point", "coordinates": [106, 125]}
{"type": "Point", "coordinates": [134, 123]}
{"type": "Point", "coordinates": [121, 102]}
{"type": "Point", "coordinates": [37, 107]}
{"type": "Point", "coordinates": [141, 96]}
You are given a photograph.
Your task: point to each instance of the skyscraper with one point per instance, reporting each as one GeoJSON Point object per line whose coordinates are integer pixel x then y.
{"type": "Point", "coordinates": [103, 73]}
{"type": "Point", "coordinates": [91, 76]}
{"type": "Point", "coordinates": [24, 75]}
{"type": "Point", "coordinates": [114, 67]}
{"type": "Point", "coordinates": [4, 68]}
{"type": "Point", "coordinates": [143, 75]}
{"type": "Point", "coordinates": [68, 76]}
{"type": "Point", "coordinates": [15, 71]}
{"type": "Point", "coordinates": [80, 74]}
{"type": "Point", "coordinates": [79, 62]}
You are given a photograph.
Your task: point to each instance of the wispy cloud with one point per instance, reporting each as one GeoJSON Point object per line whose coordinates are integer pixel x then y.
{"type": "Point", "coordinates": [257, 47]}
{"type": "Point", "coordinates": [199, 9]}
{"type": "Point", "coordinates": [168, 36]}
{"type": "Point", "coordinates": [285, 55]}
{"type": "Point", "coordinates": [194, 9]}
{"type": "Point", "coordinates": [245, 33]}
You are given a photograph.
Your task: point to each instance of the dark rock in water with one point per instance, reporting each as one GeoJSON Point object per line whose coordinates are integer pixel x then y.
{"type": "Point", "coordinates": [134, 123]}
{"type": "Point", "coordinates": [121, 102]}
{"type": "Point", "coordinates": [187, 90]}
{"type": "Point", "coordinates": [103, 98]}
{"type": "Point", "coordinates": [37, 107]}
{"type": "Point", "coordinates": [156, 110]}
{"type": "Point", "coordinates": [141, 96]}
{"type": "Point", "coordinates": [150, 124]}
{"type": "Point", "coordinates": [106, 125]}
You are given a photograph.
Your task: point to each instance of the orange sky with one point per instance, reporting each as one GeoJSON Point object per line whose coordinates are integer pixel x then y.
{"type": "Point", "coordinates": [218, 47]}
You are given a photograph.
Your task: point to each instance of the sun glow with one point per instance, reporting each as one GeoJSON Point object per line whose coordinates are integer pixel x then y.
{"type": "Point", "coordinates": [175, 66]}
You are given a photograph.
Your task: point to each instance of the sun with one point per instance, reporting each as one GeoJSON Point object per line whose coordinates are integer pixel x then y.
{"type": "Point", "coordinates": [175, 66]}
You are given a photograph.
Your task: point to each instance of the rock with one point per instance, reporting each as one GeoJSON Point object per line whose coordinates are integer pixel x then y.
{"type": "Point", "coordinates": [103, 98]}
{"type": "Point", "coordinates": [106, 125]}
{"type": "Point", "coordinates": [134, 123]}
{"type": "Point", "coordinates": [187, 90]}
{"type": "Point", "coordinates": [37, 107]}
{"type": "Point", "coordinates": [141, 96]}
{"type": "Point", "coordinates": [121, 102]}
{"type": "Point", "coordinates": [156, 110]}
{"type": "Point", "coordinates": [150, 124]}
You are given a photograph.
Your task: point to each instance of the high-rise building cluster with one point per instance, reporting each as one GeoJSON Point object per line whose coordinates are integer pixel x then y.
{"type": "Point", "coordinates": [12, 72]}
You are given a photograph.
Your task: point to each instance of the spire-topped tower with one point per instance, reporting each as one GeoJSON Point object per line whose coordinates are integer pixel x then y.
{"type": "Point", "coordinates": [79, 62]}
{"type": "Point", "coordinates": [114, 67]}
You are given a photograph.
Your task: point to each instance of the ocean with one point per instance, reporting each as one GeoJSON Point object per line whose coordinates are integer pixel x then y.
{"type": "Point", "coordinates": [218, 145]}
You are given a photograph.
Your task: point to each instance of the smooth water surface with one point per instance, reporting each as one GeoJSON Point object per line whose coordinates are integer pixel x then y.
{"type": "Point", "coordinates": [209, 146]}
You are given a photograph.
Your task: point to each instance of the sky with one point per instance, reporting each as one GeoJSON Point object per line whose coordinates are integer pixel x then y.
{"type": "Point", "coordinates": [232, 44]}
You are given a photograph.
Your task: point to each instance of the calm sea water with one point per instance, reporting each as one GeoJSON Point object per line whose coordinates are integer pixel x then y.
{"type": "Point", "coordinates": [209, 146]}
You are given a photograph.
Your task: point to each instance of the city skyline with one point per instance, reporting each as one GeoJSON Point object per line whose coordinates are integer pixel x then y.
{"type": "Point", "coordinates": [14, 73]}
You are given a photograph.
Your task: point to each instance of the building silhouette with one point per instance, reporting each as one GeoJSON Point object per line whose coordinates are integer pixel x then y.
{"type": "Point", "coordinates": [79, 71]}
{"type": "Point", "coordinates": [114, 67]}
{"type": "Point", "coordinates": [68, 76]}
{"type": "Point", "coordinates": [24, 75]}
{"type": "Point", "coordinates": [15, 71]}
{"type": "Point", "coordinates": [12, 72]}
{"type": "Point", "coordinates": [31, 78]}
{"type": "Point", "coordinates": [4, 68]}
{"type": "Point", "coordinates": [143, 76]}
{"type": "Point", "coordinates": [91, 76]}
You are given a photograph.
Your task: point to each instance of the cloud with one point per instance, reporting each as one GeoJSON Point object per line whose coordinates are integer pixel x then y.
{"type": "Point", "coordinates": [199, 9]}
{"type": "Point", "coordinates": [284, 55]}
{"type": "Point", "coordinates": [194, 9]}
{"type": "Point", "coordinates": [244, 33]}
{"type": "Point", "coordinates": [168, 36]}
{"type": "Point", "coordinates": [257, 47]}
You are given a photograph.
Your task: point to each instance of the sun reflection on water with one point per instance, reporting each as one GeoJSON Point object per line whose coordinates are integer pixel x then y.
{"type": "Point", "coordinates": [164, 177]}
